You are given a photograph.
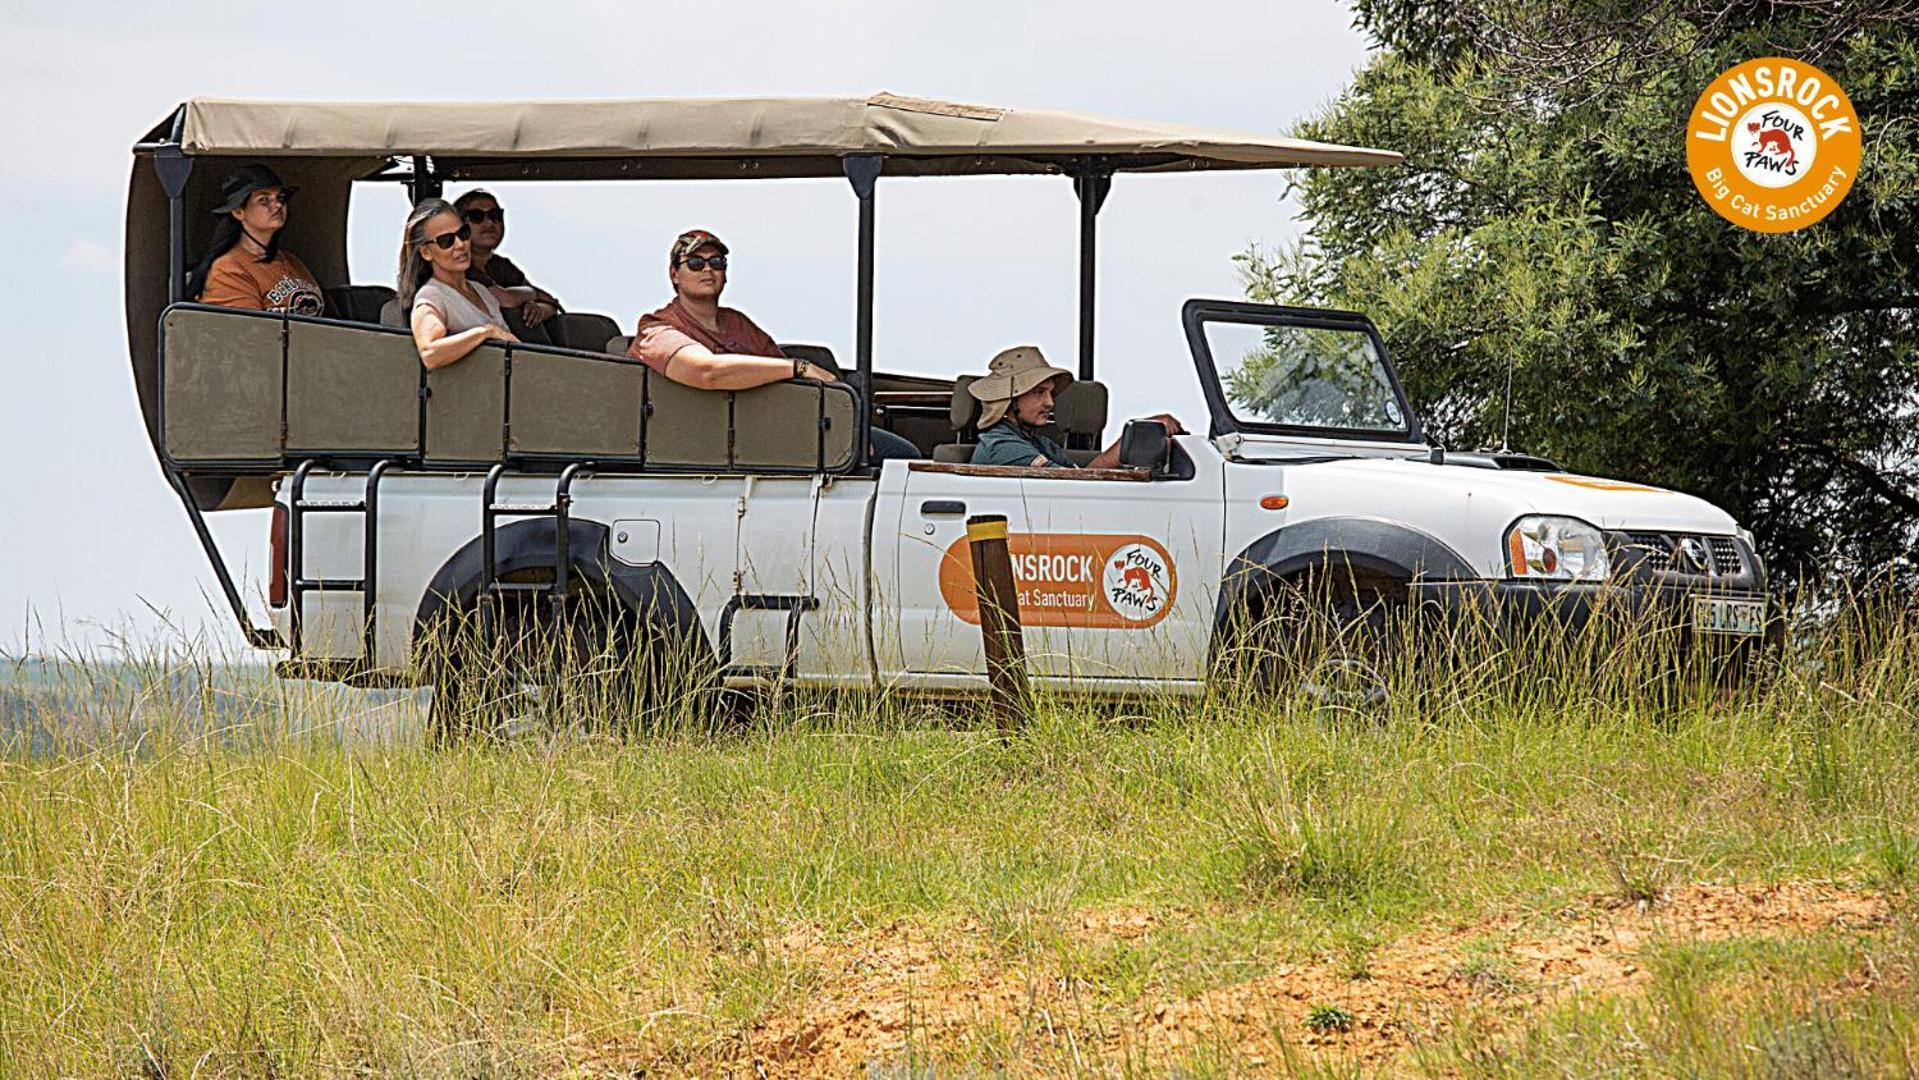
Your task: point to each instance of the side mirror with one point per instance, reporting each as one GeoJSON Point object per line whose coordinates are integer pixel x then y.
{"type": "Point", "coordinates": [1144, 445]}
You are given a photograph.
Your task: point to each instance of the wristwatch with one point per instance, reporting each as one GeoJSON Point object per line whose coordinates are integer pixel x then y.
{"type": "Point", "coordinates": [801, 365]}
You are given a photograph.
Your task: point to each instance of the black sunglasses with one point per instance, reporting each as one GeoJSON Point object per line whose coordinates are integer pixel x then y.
{"type": "Point", "coordinates": [498, 214]}
{"type": "Point", "coordinates": [445, 241]}
{"type": "Point", "coordinates": [701, 262]}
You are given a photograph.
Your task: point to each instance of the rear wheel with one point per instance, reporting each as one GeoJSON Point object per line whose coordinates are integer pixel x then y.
{"type": "Point", "coordinates": [522, 666]}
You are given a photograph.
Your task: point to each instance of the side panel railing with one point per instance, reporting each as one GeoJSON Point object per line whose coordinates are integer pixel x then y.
{"type": "Point", "coordinates": [256, 393]}
{"type": "Point", "coordinates": [227, 404]}
{"type": "Point", "coordinates": [382, 410]}
{"type": "Point", "coordinates": [466, 410]}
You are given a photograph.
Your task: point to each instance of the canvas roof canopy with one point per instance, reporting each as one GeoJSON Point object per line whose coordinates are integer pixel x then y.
{"type": "Point", "coordinates": [718, 138]}
{"type": "Point", "coordinates": [324, 148]}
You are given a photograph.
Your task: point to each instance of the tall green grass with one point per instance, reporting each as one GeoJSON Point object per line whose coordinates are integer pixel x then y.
{"type": "Point", "coordinates": [207, 871]}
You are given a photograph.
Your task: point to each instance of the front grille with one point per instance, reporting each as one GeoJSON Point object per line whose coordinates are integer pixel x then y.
{"type": "Point", "coordinates": [1655, 550]}
{"type": "Point", "coordinates": [1725, 556]}
{"type": "Point", "coordinates": [1662, 553]}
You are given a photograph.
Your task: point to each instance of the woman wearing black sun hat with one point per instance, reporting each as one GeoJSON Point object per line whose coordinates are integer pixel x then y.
{"type": "Point", "coordinates": [244, 266]}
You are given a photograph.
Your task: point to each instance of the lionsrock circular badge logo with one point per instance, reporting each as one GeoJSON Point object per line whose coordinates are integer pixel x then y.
{"type": "Point", "coordinates": [1773, 144]}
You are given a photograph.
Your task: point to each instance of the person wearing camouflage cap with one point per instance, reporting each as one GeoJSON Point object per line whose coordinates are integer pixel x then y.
{"type": "Point", "coordinates": [696, 342]}
{"type": "Point", "coordinates": [1016, 403]}
{"type": "Point", "coordinates": [693, 340]}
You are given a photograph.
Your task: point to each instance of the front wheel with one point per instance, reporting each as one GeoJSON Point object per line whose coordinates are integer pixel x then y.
{"type": "Point", "coordinates": [1333, 638]}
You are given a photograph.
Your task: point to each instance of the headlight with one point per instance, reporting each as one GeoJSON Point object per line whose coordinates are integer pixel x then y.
{"type": "Point", "coordinates": [1556, 549]}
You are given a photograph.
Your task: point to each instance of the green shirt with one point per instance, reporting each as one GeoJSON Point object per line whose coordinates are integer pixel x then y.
{"type": "Point", "coordinates": [1006, 443]}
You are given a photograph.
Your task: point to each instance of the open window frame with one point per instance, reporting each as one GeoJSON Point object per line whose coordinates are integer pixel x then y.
{"type": "Point", "coordinates": [1195, 316]}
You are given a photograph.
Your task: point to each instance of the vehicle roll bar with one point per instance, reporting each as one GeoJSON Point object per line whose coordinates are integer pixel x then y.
{"type": "Point", "coordinates": [863, 172]}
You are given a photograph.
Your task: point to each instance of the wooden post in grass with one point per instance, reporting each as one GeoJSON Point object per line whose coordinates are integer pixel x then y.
{"type": "Point", "coordinates": [999, 617]}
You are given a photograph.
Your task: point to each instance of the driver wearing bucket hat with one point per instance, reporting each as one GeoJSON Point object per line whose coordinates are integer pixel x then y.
{"type": "Point", "coordinates": [1016, 401]}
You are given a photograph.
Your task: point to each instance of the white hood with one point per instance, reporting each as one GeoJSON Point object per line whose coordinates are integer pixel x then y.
{"type": "Point", "coordinates": [1505, 493]}
{"type": "Point", "coordinates": [1466, 507]}
{"type": "Point", "coordinates": [1502, 495]}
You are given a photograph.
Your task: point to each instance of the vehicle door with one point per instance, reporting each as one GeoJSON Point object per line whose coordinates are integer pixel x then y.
{"type": "Point", "coordinates": [773, 586]}
{"type": "Point", "coordinates": [925, 625]}
{"type": "Point", "coordinates": [835, 644]}
{"type": "Point", "coordinates": [789, 612]}
{"type": "Point", "coordinates": [1118, 577]}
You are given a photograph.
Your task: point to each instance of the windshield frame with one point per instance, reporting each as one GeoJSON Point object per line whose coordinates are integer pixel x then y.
{"type": "Point", "coordinates": [1197, 313]}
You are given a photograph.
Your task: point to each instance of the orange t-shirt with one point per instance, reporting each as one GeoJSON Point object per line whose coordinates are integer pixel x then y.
{"type": "Point", "coordinates": [239, 279]}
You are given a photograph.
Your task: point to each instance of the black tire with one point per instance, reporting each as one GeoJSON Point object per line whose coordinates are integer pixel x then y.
{"type": "Point", "coordinates": [1332, 637]}
{"type": "Point", "coordinates": [584, 667]}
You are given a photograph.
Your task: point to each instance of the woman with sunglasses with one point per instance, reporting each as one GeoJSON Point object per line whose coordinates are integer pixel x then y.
{"type": "Point", "coordinates": [451, 316]}
{"type": "Point", "coordinates": [481, 210]}
{"type": "Point", "coordinates": [244, 266]}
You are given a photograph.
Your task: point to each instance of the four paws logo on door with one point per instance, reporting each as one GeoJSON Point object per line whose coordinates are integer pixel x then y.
{"type": "Point", "coordinates": [1773, 145]}
{"type": "Point", "coordinates": [1094, 581]}
{"type": "Point", "coordinates": [1136, 582]}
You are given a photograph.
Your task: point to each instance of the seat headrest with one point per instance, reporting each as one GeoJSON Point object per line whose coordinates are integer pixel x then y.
{"type": "Point", "coordinates": [582, 330]}
{"type": "Point", "coordinates": [1080, 409]}
{"type": "Point", "coordinates": [357, 303]}
{"type": "Point", "coordinates": [965, 408]}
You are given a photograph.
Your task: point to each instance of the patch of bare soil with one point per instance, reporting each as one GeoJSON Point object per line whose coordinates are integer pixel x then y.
{"type": "Point", "coordinates": [956, 989]}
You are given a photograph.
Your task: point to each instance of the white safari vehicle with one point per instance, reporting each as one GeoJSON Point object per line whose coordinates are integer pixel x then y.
{"type": "Point", "coordinates": [749, 528]}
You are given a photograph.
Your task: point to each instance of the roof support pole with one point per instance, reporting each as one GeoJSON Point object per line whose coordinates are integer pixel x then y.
{"type": "Point", "coordinates": [1091, 186]}
{"type": "Point", "coordinates": [863, 171]}
{"type": "Point", "coordinates": [174, 168]}
{"type": "Point", "coordinates": [425, 183]}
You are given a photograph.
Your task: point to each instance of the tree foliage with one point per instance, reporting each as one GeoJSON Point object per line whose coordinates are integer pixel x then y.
{"type": "Point", "coordinates": [1545, 219]}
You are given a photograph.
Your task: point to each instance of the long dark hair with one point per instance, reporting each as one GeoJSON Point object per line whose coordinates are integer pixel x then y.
{"type": "Point", "coordinates": [414, 269]}
{"type": "Point", "coordinates": [226, 234]}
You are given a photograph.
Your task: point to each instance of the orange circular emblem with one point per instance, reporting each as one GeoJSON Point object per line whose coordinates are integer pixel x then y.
{"type": "Point", "coordinates": [1773, 144]}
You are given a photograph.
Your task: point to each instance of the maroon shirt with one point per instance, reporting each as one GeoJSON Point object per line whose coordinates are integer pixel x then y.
{"type": "Point", "coordinates": [665, 332]}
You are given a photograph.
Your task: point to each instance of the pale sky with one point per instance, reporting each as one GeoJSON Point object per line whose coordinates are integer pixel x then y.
{"type": "Point", "coordinates": [94, 545]}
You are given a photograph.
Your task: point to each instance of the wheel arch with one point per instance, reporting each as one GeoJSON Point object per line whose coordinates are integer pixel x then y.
{"type": "Point", "coordinates": [1371, 548]}
{"type": "Point", "coordinates": [648, 590]}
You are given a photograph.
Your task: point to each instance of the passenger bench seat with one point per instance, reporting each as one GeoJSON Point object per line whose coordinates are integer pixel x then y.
{"type": "Point", "coordinates": [357, 303]}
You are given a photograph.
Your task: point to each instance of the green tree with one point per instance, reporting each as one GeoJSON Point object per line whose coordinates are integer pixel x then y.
{"type": "Point", "coordinates": [1545, 218]}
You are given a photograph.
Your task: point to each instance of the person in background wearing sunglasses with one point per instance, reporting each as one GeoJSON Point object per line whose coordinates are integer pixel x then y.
{"type": "Point", "coordinates": [695, 341]}
{"type": "Point", "coordinates": [244, 266]}
{"type": "Point", "coordinates": [451, 316]}
{"type": "Point", "coordinates": [481, 210]}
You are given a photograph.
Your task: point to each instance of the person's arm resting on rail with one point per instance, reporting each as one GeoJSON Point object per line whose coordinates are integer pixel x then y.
{"type": "Point", "coordinates": [439, 348]}
{"type": "Point", "coordinates": [673, 353]}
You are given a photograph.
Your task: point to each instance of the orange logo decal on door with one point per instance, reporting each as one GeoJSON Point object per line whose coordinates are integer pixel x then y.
{"type": "Point", "coordinates": [1104, 582]}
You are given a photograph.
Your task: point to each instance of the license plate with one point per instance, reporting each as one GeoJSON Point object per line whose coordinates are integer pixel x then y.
{"type": "Point", "coordinates": [1714, 615]}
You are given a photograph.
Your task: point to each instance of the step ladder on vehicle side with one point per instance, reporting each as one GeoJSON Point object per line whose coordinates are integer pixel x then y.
{"type": "Point", "coordinates": [493, 591]}
{"type": "Point", "coordinates": [367, 584]}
